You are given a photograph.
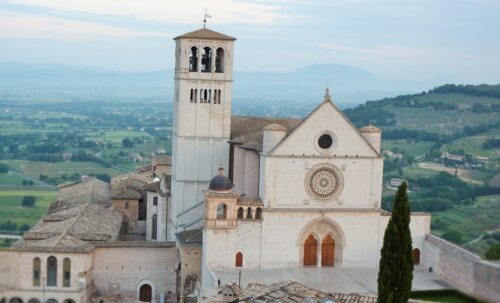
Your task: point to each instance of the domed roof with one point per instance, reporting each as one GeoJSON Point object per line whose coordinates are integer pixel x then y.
{"type": "Point", "coordinates": [220, 182]}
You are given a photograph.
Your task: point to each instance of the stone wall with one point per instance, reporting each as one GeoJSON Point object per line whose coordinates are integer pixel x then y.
{"type": "Point", "coordinates": [123, 270]}
{"type": "Point", "coordinates": [462, 269]}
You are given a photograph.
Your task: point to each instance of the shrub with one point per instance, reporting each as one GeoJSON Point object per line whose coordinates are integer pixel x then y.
{"type": "Point", "coordinates": [493, 252]}
{"type": "Point", "coordinates": [28, 201]}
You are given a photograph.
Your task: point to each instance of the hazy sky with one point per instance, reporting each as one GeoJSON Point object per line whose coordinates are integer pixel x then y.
{"type": "Point", "coordinates": [419, 40]}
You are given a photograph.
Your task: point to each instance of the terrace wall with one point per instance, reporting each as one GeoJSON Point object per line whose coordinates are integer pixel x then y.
{"type": "Point", "coordinates": [462, 269]}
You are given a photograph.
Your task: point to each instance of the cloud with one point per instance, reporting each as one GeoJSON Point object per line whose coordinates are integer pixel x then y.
{"type": "Point", "coordinates": [17, 25]}
{"type": "Point", "coordinates": [185, 11]}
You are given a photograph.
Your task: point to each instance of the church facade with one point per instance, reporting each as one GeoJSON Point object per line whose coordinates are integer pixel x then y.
{"type": "Point", "coordinates": [288, 193]}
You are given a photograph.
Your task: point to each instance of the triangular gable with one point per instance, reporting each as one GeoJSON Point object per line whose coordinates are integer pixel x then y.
{"type": "Point", "coordinates": [325, 117]}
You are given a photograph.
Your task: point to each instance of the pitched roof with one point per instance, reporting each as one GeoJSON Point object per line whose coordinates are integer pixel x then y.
{"type": "Point", "coordinates": [370, 129]}
{"type": "Point", "coordinates": [161, 160]}
{"type": "Point", "coordinates": [205, 33]}
{"type": "Point", "coordinates": [92, 191]}
{"type": "Point", "coordinates": [248, 132]}
{"type": "Point", "coordinates": [192, 236]}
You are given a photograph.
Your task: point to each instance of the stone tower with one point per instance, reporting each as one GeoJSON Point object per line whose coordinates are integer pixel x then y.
{"type": "Point", "coordinates": [202, 120]}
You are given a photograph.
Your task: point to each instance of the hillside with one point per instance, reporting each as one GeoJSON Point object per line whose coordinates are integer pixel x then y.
{"type": "Point", "coordinates": [445, 143]}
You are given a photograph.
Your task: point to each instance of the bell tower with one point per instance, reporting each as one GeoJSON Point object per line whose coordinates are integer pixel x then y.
{"type": "Point", "coordinates": [202, 120]}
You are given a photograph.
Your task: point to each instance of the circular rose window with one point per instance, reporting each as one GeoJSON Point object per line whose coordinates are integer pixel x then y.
{"type": "Point", "coordinates": [324, 182]}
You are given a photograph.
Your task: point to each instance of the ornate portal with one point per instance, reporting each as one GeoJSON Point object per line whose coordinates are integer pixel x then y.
{"type": "Point", "coordinates": [324, 182]}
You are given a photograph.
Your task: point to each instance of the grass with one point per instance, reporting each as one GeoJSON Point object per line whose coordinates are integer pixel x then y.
{"type": "Point", "coordinates": [10, 179]}
{"type": "Point", "coordinates": [55, 170]}
{"type": "Point", "coordinates": [11, 209]}
{"type": "Point", "coordinates": [443, 295]}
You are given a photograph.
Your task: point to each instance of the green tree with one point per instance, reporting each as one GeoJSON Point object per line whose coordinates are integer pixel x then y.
{"type": "Point", "coordinates": [28, 201]}
{"type": "Point", "coordinates": [127, 143]}
{"type": "Point", "coordinates": [396, 263]}
{"type": "Point", "coordinates": [452, 236]}
{"type": "Point", "coordinates": [4, 168]}
{"type": "Point", "coordinates": [493, 252]}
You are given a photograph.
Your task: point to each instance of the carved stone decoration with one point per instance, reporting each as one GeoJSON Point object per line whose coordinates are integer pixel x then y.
{"type": "Point", "coordinates": [324, 182]}
{"type": "Point", "coordinates": [321, 228]}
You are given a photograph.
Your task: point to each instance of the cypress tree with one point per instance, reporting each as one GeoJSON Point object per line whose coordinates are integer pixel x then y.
{"type": "Point", "coordinates": [396, 263]}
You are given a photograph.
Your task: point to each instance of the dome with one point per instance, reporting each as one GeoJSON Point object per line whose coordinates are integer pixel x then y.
{"type": "Point", "coordinates": [220, 182]}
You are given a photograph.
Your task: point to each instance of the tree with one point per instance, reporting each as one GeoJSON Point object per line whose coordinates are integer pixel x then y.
{"type": "Point", "coordinates": [396, 263]}
{"type": "Point", "coordinates": [28, 201]}
{"type": "Point", "coordinates": [452, 236]}
{"type": "Point", "coordinates": [493, 252]}
{"type": "Point", "coordinates": [127, 143]}
{"type": "Point", "coordinates": [3, 168]}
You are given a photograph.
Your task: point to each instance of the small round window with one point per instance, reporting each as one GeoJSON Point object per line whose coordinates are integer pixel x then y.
{"type": "Point", "coordinates": [325, 141]}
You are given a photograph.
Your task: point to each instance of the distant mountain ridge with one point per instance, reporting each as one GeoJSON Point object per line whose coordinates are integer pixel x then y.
{"type": "Point", "coordinates": [348, 84]}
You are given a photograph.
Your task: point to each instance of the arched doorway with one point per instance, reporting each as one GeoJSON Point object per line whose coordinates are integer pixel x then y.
{"type": "Point", "coordinates": [145, 293]}
{"type": "Point", "coordinates": [310, 251]}
{"type": "Point", "coordinates": [239, 259]}
{"type": "Point", "coordinates": [416, 256]}
{"type": "Point", "coordinates": [328, 251]}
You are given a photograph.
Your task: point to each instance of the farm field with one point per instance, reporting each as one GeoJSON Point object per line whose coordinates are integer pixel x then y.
{"type": "Point", "coordinates": [9, 179]}
{"type": "Point", "coordinates": [11, 209]}
{"type": "Point", "coordinates": [411, 148]}
{"type": "Point", "coordinates": [470, 220]}
{"type": "Point", "coordinates": [473, 145]}
{"type": "Point", "coordinates": [438, 121]}
{"type": "Point", "coordinates": [462, 173]}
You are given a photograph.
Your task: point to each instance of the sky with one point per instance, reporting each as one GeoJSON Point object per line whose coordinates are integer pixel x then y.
{"type": "Point", "coordinates": [439, 41]}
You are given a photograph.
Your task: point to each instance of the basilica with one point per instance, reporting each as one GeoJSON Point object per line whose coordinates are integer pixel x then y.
{"type": "Point", "coordinates": [238, 192]}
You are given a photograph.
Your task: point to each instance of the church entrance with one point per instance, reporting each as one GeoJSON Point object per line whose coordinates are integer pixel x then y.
{"type": "Point", "coordinates": [145, 293]}
{"type": "Point", "coordinates": [310, 251]}
{"type": "Point", "coordinates": [327, 251]}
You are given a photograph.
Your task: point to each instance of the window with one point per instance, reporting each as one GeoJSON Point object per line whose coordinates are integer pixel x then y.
{"type": "Point", "coordinates": [155, 201]}
{"type": "Point", "coordinates": [195, 95]}
{"type": "Point", "coordinates": [205, 95]}
{"type": "Point", "coordinates": [219, 60]}
{"type": "Point", "coordinates": [222, 212]}
{"type": "Point", "coordinates": [33, 300]}
{"type": "Point", "coordinates": [125, 226]}
{"type": "Point", "coordinates": [258, 213]}
{"type": "Point", "coordinates": [193, 59]}
{"type": "Point", "coordinates": [51, 271]}
{"type": "Point", "coordinates": [249, 213]}
{"type": "Point", "coordinates": [36, 271]}
{"type": "Point", "coordinates": [154, 227]}
{"type": "Point", "coordinates": [191, 97]}
{"type": "Point", "coordinates": [325, 141]}
{"type": "Point", "coordinates": [240, 213]}
{"type": "Point", "coordinates": [126, 205]}
{"type": "Point", "coordinates": [239, 259]}
{"type": "Point", "coordinates": [206, 60]}
{"type": "Point", "coordinates": [66, 272]}
{"type": "Point", "coordinates": [416, 256]}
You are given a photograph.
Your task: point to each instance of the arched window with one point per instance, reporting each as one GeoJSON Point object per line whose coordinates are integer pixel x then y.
{"type": "Point", "coordinates": [195, 95]}
{"type": "Point", "coordinates": [205, 95]}
{"type": "Point", "coordinates": [33, 300]}
{"type": "Point", "coordinates": [416, 256]}
{"type": "Point", "coordinates": [51, 271]}
{"type": "Point", "coordinates": [222, 212]}
{"type": "Point", "coordinates": [51, 301]}
{"type": "Point", "coordinates": [239, 259]}
{"type": "Point", "coordinates": [36, 271]}
{"type": "Point", "coordinates": [219, 60]}
{"type": "Point", "coordinates": [193, 59]}
{"type": "Point", "coordinates": [258, 213]}
{"type": "Point", "coordinates": [209, 96]}
{"type": "Point", "coordinates": [191, 97]}
{"type": "Point", "coordinates": [219, 96]}
{"type": "Point", "coordinates": [16, 300]}
{"type": "Point", "coordinates": [155, 201]}
{"type": "Point", "coordinates": [201, 96]}
{"type": "Point", "coordinates": [154, 228]}
{"type": "Point", "coordinates": [249, 213]}
{"type": "Point", "coordinates": [240, 213]}
{"type": "Point", "coordinates": [69, 301]}
{"type": "Point", "coordinates": [145, 293]}
{"type": "Point", "coordinates": [206, 60]}
{"type": "Point", "coordinates": [66, 272]}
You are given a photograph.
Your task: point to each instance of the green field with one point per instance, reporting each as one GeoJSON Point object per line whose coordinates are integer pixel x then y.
{"type": "Point", "coordinates": [55, 170]}
{"type": "Point", "coordinates": [415, 149]}
{"type": "Point", "coordinates": [473, 145]}
{"type": "Point", "coordinates": [470, 220]}
{"type": "Point", "coordinates": [11, 209]}
{"type": "Point", "coordinates": [10, 179]}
